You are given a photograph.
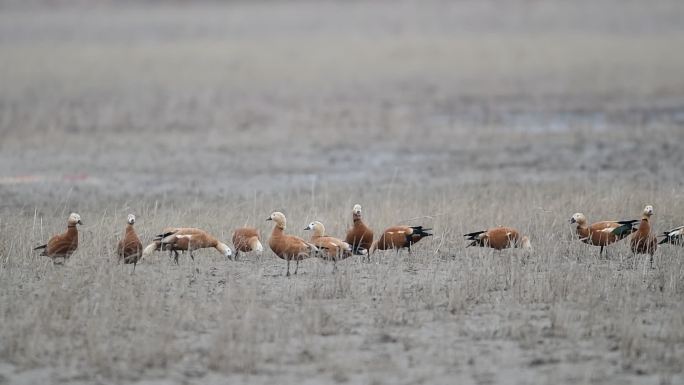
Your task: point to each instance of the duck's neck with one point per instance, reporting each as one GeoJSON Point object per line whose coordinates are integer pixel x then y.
{"type": "Point", "coordinates": [583, 230]}
{"type": "Point", "coordinates": [71, 229]}
{"type": "Point", "coordinates": [645, 225]}
{"type": "Point", "coordinates": [277, 230]}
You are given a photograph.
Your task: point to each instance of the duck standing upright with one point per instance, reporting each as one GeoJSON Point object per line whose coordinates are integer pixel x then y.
{"type": "Point", "coordinates": [63, 245]}
{"type": "Point", "coordinates": [359, 236]}
{"type": "Point", "coordinates": [288, 247]}
{"type": "Point", "coordinates": [602, 233]}
{"type": "Point", "coordinates": [644, 241]}
{"type": "Point", "coordinates": [130, 248]}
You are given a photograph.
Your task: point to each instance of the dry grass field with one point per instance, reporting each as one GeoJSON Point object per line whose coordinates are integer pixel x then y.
{"type": "Point", "coordinates": [454, 115]}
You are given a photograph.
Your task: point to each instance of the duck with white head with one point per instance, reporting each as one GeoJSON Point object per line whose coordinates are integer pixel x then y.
{"type": "Point", "coordinates": [63, 245]}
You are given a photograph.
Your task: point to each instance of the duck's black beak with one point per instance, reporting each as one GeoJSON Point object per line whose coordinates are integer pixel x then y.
{"type": "Point", "coordinates": [572, 220]}
{"type": "Point", "coordinates": [269, 219]}
{"type": "Point", "coordinates": [79, 222]}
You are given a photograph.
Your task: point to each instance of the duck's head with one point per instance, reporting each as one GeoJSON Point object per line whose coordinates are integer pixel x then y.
{"type": "Point", "coordinates": [356, 211]}
{"type": "Point", "coordinates": [578, 218]}
{"type": "Point", "coordinates": [131, 219]}
{"type": "Point", "coordinates": [278, 218]}
{"type": "Point", "coordinates": [74, 219]}
{"type": "Point", "coordinates": [648, 211]}
{"type": "Point", "coordinates": [317, 227]}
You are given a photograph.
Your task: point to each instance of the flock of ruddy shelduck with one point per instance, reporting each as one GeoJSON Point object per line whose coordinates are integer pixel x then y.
{"type": "Point", "coordinates": [359, 239]}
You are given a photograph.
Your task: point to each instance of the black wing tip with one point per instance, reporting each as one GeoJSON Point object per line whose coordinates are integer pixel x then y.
{"type": "Point", "coordinates": [628, 221]}
{"type": "Point", "coordinates": [474, 233]}
{"type": "Point", "coordinates": [41, 247]}
{"type": "Point", "coordinates": [162, 236]}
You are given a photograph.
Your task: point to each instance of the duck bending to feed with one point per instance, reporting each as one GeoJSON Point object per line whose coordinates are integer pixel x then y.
{"type": "Point", "coordinates": [246, 239]}
{"type": "Point", "coordinates": [188, 239]}
{"type": "Point", "coordinates": [399, 237]}
{"type": "Point", "coordinates": [499, 238]}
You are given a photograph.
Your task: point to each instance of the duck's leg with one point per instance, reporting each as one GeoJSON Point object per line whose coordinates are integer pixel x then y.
{"type": "Point", "coordinates": [237, 252]}
{"type": "Point", "coordinates": [175, 256]}
{"type": "Point", "coordinates": [288, 268]}
{"type": "Point", "coordinates": [297, 267]}
{"type": "Point", "coordinates": [601, 252]}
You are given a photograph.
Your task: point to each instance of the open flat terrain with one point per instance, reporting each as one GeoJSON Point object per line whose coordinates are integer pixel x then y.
{"type": "Point", "coordinates": [454, 115]}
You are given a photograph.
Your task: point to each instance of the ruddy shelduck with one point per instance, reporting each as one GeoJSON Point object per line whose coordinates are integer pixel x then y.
{"type": "Point", "coordinates": [499, 238]}
{"type": "Point", "coordinates": [602, 233]}
{"type": "Point", "coordinates": [359, 236]}
{"type": "Point", "coordinates": [246, 239]}
{"type": "Point", "coordinates": [399, 237]}
{"type": "Point", "coordinates": [186, 239]}
{"type": "Point", "coordinates": [288, 247]}
{"type": "Point", "coordinates": [330, 248]}
{"type": "Point", "coordinates": [130, 248]}
{"type": "Point", "coordinates": [63, 245]}
{"type": "Point", "coordinates": [643, 240]}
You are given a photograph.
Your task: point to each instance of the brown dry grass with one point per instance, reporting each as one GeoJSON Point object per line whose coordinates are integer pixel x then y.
{"type": "Point", "coordinates": [457, 116]}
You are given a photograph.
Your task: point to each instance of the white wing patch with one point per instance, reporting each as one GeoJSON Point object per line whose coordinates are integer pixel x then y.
{"type": "Point", "coordinates": [607, 230]}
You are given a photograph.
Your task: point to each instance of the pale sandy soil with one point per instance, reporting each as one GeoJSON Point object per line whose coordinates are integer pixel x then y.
{"type": "Point", "coordinates": [455, 115]}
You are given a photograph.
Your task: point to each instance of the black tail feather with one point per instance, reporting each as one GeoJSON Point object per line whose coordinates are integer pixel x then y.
{"type": "Point", "coordinates": [419, 230]}
{"type": "Point", "coordinates": [41, 247]}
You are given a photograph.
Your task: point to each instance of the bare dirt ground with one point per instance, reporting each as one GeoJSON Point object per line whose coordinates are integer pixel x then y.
{"type": "Point", "coordinates": [455, 115]}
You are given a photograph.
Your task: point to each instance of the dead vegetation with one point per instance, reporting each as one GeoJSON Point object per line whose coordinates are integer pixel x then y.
{"type": "Point", "coordinates": [455, 116]}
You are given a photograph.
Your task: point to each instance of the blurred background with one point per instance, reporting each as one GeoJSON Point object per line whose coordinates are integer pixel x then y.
{"type": "Point", "coordinates": [111, 101]}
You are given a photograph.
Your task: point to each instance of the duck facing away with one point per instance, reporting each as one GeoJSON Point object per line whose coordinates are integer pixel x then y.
{"type": "Point", "coordinates": [247, 239]}
{"type": "Point", "coordinates": [63, 245]}
{"type": "Point", "coordinates": [130, 248]}
{"type": "Point", "coordinates": [188, 239]}
{"type": "Point", "coordinates": [644, 240]}
{"type": "Point", "coordinates": [602, 233]}
{"type": "Point", "coordinates": [674, 236]}
{"type": "Point", "coordinates": [399, 237]}
{"type": "Point", "coordinates": [499, 238]}
{"type": "Point", "coordinates": [330, 248]}
{"type": "Point", "coordinates": [359, 236]}
{"type": "Point", "coordinates": [288, 247]}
